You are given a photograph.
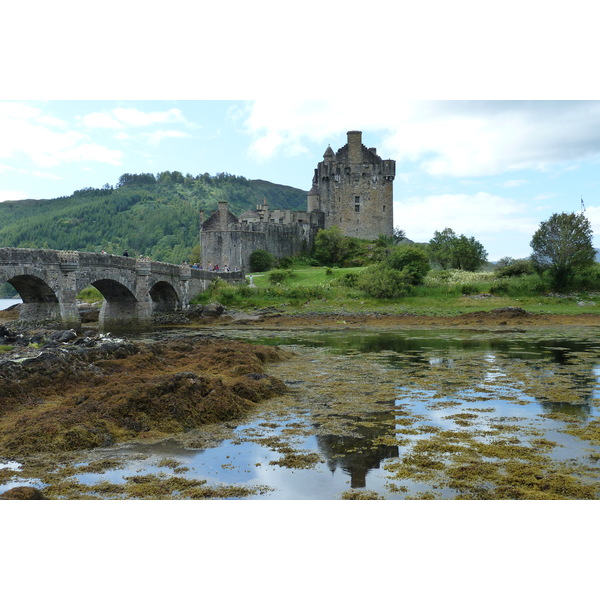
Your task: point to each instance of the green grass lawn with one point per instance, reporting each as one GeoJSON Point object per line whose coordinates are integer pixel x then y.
{"type": "Point", "coordinates": [324, 293]}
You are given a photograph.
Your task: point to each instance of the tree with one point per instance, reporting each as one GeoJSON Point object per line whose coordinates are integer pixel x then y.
{"type": "Point", "coordinates": [562, 246]}
{"type": "Point", "coordinates": [391, 240]}
{"type": "Point", "coordinates": [331, 246]}
{"type": "Point", "coordinates": [440, 248]}
{"type": "Point", "coordinates": [468, 254]}
{"type": "Point", "coordinates": [450, 251]}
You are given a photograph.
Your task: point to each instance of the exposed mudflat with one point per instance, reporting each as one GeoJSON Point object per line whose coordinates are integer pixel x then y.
{"type": "Point", "coordinates": [501, 317]}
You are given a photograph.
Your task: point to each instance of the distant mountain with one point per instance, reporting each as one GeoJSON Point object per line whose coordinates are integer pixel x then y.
{"type": "Point", "coordinates": [150, 215]}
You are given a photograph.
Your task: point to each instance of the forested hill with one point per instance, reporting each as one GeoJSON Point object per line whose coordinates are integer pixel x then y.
{"type": "Point", "coordinates": [150, 215]}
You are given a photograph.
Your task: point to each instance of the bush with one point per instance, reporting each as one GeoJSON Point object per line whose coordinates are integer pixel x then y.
{"type": "Point", "coordinates": [410, 259]}
{"type": "Point", "coordinates": [499, 288]}
{"type": "Point", "coordinates": [285, 263]}
{"type": "Point", "coordinates": [381, 281]}
{"type": "Point", "coordinates": [331, 247]}
{"type": "Point", "coordinates": [468, 289]}
{"type": "Point", "coordinates": [261, 260]}
{"type": "Point", "coordinates": [348, 279]}
{"type": "Point", "coordinates": [279, 276]}
{"type": "Point", "coordinates": [588, 279]}
{"type": "Point", "coordinates": [515, 268]}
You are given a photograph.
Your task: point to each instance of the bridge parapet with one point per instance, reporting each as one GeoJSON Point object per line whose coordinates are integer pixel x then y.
{"type": "Point", "coordinates": [143, 266]}
{"type": "Point", "coordinates": [68, 261]}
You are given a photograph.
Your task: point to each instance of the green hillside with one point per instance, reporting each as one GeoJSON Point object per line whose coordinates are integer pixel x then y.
{"type": "Point", "coordinates": [150, 215]}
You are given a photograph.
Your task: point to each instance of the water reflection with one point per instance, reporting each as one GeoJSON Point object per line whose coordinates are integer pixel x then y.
{"type": "Point", "coordinates": [356, 455]}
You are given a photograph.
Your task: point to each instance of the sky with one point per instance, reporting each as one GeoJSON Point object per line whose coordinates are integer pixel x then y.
{"type": "Point", "coordinates": [489, 169]}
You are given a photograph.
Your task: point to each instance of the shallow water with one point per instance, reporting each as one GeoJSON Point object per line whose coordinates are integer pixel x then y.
{"type": "Point", "coordinates": [400, 414]}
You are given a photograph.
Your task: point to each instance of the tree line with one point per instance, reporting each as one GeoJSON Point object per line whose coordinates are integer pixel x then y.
{"type": "Point", "coordinates": [147, 214]}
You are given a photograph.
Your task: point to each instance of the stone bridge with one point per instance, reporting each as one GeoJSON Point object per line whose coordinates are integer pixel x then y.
{"type": "Point", "coordinates": [48, 282]}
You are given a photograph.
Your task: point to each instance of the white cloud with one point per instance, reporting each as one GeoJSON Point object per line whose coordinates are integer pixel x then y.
{"type": "Point", "coordinates": [101, 121]}
{"type": "Point", "coordinates": [495, 221]}
{"type": "Point", "coordinates": [44, 140]}
{"type": "Point", "coordinates": [459, 139]}
{"type": "Point", "coordinates": [12, 195]}
{"type": "Point", "coordinates": [592, 214]}
{"type": "Point", "coordinates": [46, 175]}
{"type": "Point", "coordinates": [157, 136]}
{"type": "Point", "coordinates": [121, 118]}
{"type": "Point", "coordinates": [514, 183]}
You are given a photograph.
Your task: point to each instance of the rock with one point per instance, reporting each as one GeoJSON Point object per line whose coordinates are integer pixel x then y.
{"type": "Point", "coordinates": [89, 314]}
{"type": "Point", "coordinates": [23, 492]}
{"type": "Point", "coordinates": [213, 310]}
{"type": "Point", "coordinates": [511, 311]}
{"type": "Point", "coordinates": [63, 336]}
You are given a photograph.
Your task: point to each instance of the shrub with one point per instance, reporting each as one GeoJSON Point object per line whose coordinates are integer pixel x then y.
{"type": "Point", "coordinates": [285, 263]}
{"type": "Point", "coordinates": [381, 281]}
{"type": "Point", "coordinates": [261, 260]}
{"type": "Point", "coordinates": [467, 289]}
{"type": "Point", "coordinates": [348, 279]}
{"type": "Point", "coordinates": [279, 276]}
{"type": "Point", "coordinates": [515, 268]}
{"type": "Point", "coordinates": [412, 260]}
{"type": "Point", "coordinates": [499, 287]}
{"type": "Point", "coordinates": [331, 247]}
{"type": "Point", "coordinates": [588, 279]}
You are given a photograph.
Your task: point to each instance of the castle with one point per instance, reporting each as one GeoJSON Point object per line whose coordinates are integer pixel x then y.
{"type": "Point", "coordinates": [351, 188]}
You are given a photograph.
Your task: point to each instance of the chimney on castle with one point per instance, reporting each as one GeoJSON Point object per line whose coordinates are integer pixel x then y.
{"type": "Point", "coordinates": [355, 147]}
{"type": "Point", "coordinates": [222, 214]}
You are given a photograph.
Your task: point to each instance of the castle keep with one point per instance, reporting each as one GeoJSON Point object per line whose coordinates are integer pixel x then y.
{"type": "Point", "coordinates": [351, 188]}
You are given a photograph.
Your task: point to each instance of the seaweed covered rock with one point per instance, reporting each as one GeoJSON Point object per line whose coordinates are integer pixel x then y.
{"type": "Point", "coordinates": [23, 492]}
{"type": "Point", "coordinates": [86, 397]}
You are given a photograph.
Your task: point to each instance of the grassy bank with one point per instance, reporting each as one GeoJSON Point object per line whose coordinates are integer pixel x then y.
{"type": "Point", "coordinates": [444, 293]}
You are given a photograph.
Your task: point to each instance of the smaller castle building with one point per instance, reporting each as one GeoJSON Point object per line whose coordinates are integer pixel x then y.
{"type": "Point", "coordinates": [351, 189]}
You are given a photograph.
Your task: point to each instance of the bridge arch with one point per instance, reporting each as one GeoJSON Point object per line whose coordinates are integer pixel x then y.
{"type": "Point", "coordinates": [113, 291]}
{"type": "Point", "coordinates": [121, 308]}
{"type": "Point", "coordinates": [164, 297]}
{"type": "Point", "coordinates": [40, 301]}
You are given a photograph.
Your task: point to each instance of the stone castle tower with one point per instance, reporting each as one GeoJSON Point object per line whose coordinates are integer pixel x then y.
{"type": "Point", "coordinates": [353, 187]}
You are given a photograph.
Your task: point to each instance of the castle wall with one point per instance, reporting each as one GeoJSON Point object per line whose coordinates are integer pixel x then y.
{"type": "Point", "coordinates": [233, 246]}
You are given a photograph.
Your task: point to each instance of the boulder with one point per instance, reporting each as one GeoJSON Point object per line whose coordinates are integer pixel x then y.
{"type": "Point", "coordinates": [214, 309]}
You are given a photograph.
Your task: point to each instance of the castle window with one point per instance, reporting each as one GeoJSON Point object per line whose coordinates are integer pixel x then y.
{"type": "Point", "coordinates": [356, 203]}
{"type": "Point", "coordinates": [384, 208]}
